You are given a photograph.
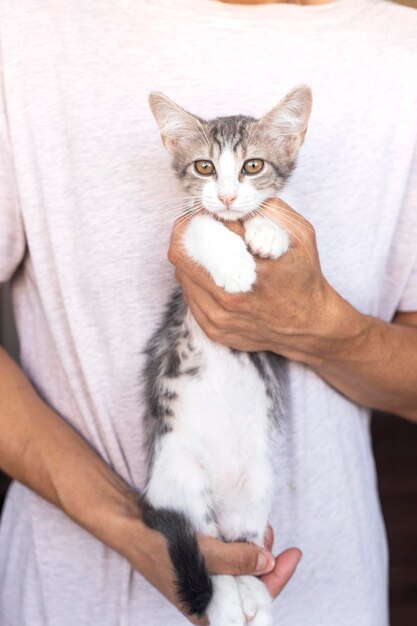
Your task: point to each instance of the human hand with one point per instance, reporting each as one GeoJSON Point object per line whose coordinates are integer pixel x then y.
{"type": "Point", "coordinates": [291, 310]}
{"type": "Point", "coordinates": [153, 562]}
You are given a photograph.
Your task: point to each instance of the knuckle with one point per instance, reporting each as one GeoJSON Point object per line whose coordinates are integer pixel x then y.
{"type": "Point", "coordinates": [307, 234]}
{"type": "Point", "coordinates": [230, 302]}
{"type": "Point", "coordinates": [263, 270]}
{"type": "Point", "coordinates": [212, 333]}
{"type": "Point", "coordinates": [245, 563]}
{"type": "Point", "coordinates": [172, 254]}
{"type": "Point", "coordinates": [310, 231]}
{"type": "Point", "coordinates": [217, 317]}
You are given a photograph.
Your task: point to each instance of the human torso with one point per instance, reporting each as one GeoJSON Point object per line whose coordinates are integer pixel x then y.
{"type": "Point", "coordinates": [93, 178]}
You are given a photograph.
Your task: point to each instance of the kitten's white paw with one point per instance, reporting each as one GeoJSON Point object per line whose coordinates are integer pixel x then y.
{"type": "Point", "coordinates": [225, 609]}
{"type": "Point", "coordinates": [249, 604]}
{"type": "Point", "coordinates": [262, 618]}
{"type": "Point", "coordinates": [256, 601]}
{"type": "Point", "coordinates": [237, 271]}
{"type": "Point", "coordinates": [221, 252]}
{"type": "Point", "coordinates": [227, 617]}
{"type": "Point", "coordinates": [266, 239]}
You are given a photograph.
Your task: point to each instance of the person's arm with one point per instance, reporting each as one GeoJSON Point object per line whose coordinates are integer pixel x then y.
{"type": "Point", "coordinates": [377, 367]}
{"type": "Point", "coordinates": [39, 449]}
{"type": "Point", "coordinates": [293, 311]}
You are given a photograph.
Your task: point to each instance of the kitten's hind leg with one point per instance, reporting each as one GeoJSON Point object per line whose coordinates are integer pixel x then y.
{"type": "Point", "coordinates": [179, 496]}
{"type": "Point", "coordinates": [256, 601]}
{"type": "Point", "coordinates": [246, 519]}
{"type": "Point", "coordinates": [225, 609]}
{"type": "Point", "coordinates": [178, 484]}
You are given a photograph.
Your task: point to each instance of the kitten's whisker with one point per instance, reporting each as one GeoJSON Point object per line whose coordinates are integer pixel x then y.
{"type": "Point", "coordinates": [174, 209]}
{"type": "Point", "coordinates": [169, 217]}
{"type": "Point", "coordinates": [177, 205]}
{"type": "Point", "coordinates": [185, 218]}
{"type": "Point", "coordinates": [287, 217]}
{"type": "Point", "coordinates": [183, 197]}
{"type": "Point", "coordinates": [292, 217]}
{"type": "Point", "coordinates": [192, 210]}
{"type": "Point", "coordinates": [178, 218]}
{"type": "Point", "coordinates": [274, 219]}
{"type": "Point", "coordinates": [175, 201]}
{"type": "Point", "coordinates": [172, 215]}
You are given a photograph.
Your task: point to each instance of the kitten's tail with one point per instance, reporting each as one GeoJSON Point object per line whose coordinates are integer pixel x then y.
{"type": "Point", "coordinates": [194, 585]}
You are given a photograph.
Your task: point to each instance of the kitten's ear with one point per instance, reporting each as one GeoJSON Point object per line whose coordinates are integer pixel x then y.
{"type": "Point", "coordinates": [179, 129]}
{"type": "Point", "coordinates": [286, 125]}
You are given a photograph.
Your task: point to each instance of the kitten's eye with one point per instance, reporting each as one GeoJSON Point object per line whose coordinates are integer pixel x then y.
{"type": "Point", "coordinates": [206, 168]}
{"type": "Point", "coordinates": [252, 166]}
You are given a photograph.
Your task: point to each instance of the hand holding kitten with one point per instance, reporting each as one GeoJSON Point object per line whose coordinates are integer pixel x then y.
{"type": "Point", "coordinates": [153, 562]}
{"type": "Point", "coordinates": [291, 309]}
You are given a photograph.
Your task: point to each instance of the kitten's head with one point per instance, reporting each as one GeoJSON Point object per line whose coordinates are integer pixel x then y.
{"type": "Point", "coordinates": [230, 165]}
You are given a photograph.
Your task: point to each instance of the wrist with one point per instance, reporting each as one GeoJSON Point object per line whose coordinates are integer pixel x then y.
{"type": "Point", "coordinates": [131, 537]}
{"type": "Point", "coordinates": [344, 331]}
{"type": "Point", "coordinates": [113, 514]}
{"type": "Point", "coordinates": [339, 331]}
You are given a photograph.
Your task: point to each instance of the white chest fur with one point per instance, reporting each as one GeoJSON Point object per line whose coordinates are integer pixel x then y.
{"type": "Point", "coordinates": [219, 442]}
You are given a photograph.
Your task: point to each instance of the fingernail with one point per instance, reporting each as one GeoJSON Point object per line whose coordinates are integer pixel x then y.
{"type": "Point", "coordinates": [264, 563]}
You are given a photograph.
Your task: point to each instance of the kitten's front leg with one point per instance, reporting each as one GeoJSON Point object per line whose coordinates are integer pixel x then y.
{"type": "Point", "coordinates": [221, 252]}
{"type": "Point", "coordinates": [265, 238]}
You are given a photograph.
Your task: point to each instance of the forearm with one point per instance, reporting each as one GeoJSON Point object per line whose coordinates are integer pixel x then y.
{"type": "Point", "coordinates": [372, 362]}
{"type": "Point", "coordinates": [39, 449]}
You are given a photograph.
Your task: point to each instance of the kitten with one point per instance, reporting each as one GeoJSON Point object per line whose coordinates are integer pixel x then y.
{"type": "Point", "coordinates": [211, 411]}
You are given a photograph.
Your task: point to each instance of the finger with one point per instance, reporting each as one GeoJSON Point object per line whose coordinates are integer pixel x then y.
{"type": "Point", "coordinates": [198, 287]}
{"type": "Point", "coordinates": [198, 283]}
{"type": "Point", "coordinates": [176, 253]}
{"type": "Point", "coordinates": [228, 313]}
{"type": "Point", "coordinates": [235, 559]}
{"type": "Point", "coordinates": [285, 566]}
{"type": "Point", "coordinates": [180, 224]}
{"type": "Point", "coordinates": [200, 317]}
{"type": "Point", "coordinates": [269, 538]}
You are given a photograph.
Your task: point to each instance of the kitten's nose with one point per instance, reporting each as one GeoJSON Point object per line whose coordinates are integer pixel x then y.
{"type": "Point", "coordinates": [227, 199]}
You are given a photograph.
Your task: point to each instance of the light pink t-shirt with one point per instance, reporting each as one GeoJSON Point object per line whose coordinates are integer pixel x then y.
{"type": "Point", "coordinates": [84, 187]}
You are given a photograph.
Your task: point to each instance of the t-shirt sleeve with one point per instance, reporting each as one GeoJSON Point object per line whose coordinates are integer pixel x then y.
{"type": "Point", "coordinates": [12, 238]}
{"type": "Point", "coordinates": [408, 299]}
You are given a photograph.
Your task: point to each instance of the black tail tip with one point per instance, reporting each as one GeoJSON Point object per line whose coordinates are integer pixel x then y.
{"type": "Point", "coordinates": [194, 585]}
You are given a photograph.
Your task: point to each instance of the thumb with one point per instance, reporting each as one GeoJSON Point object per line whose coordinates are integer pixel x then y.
{"type": "Point", "coordinates": [235, 559]}
{"type": "Point", "coordinates": [285, 566]}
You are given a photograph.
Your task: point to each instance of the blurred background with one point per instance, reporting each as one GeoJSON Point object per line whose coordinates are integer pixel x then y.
{"type": "Point", "coordinates": [395, 446]}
